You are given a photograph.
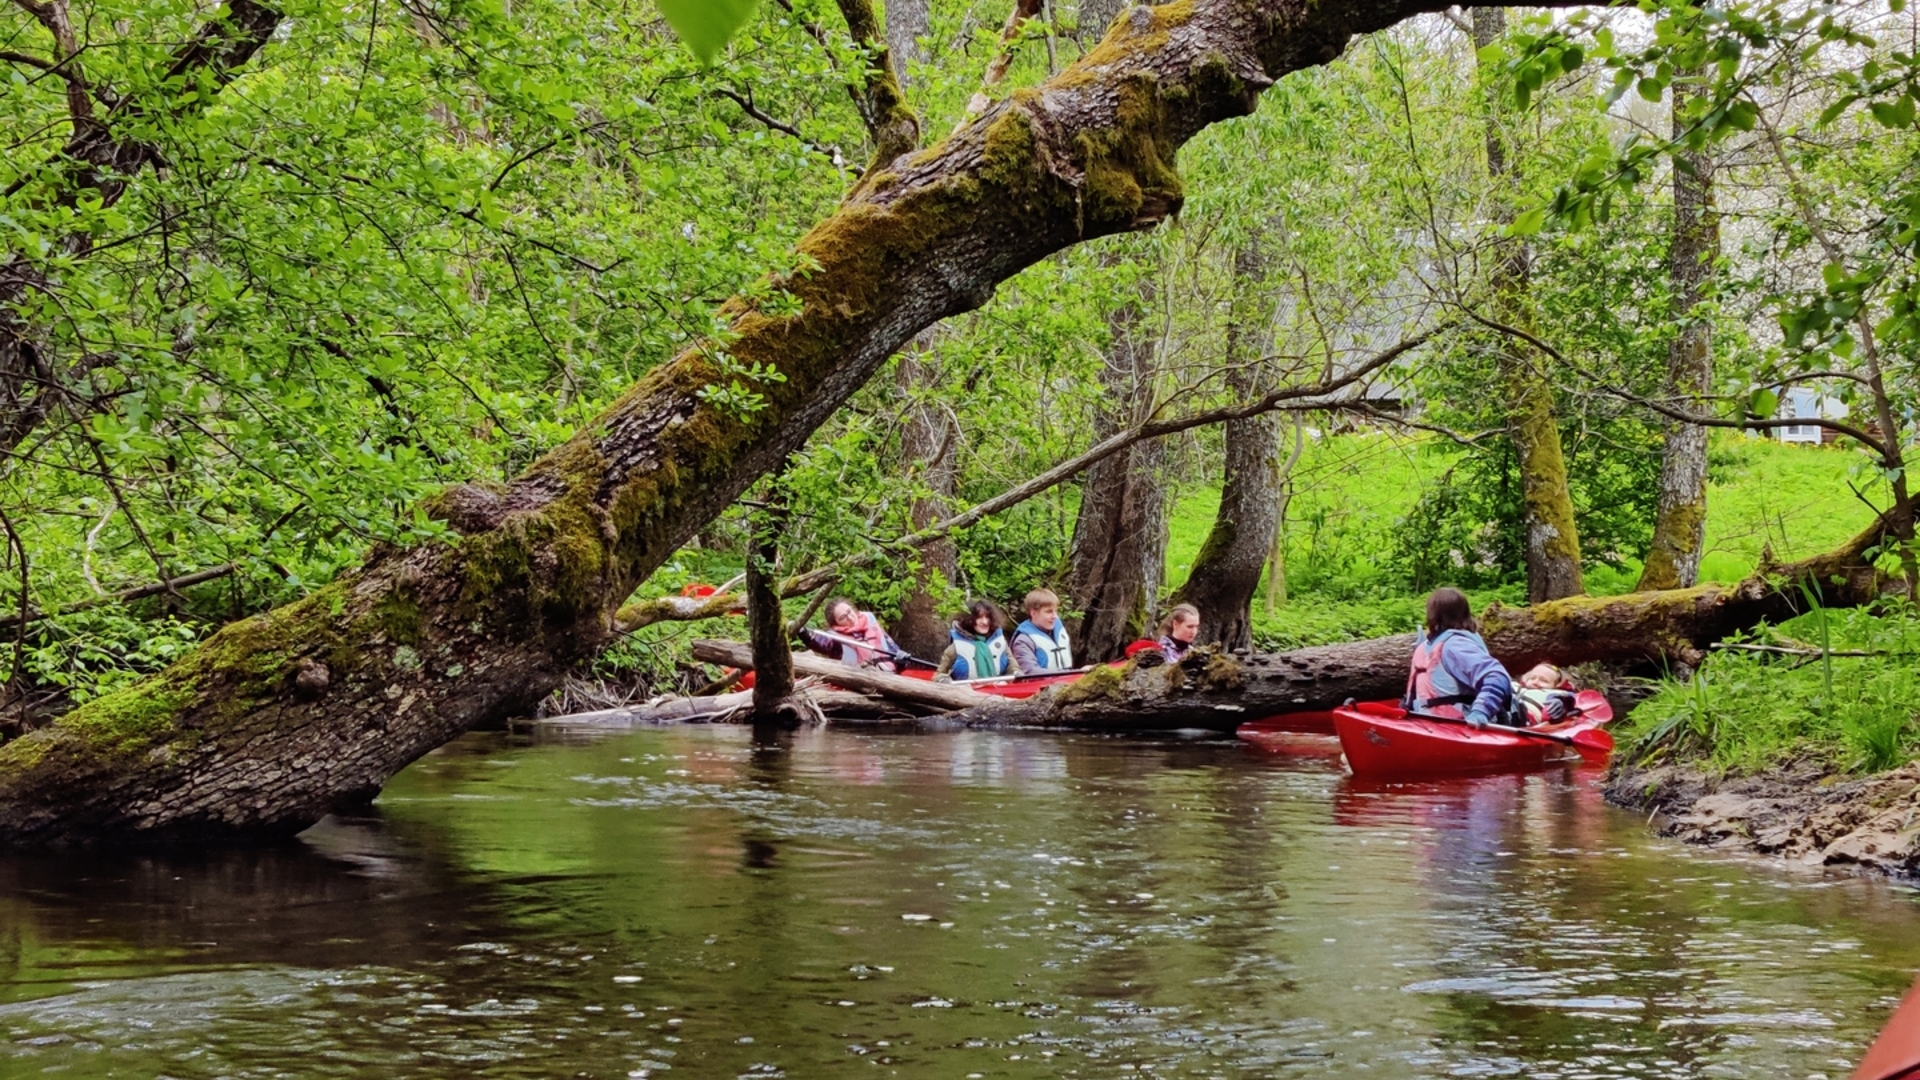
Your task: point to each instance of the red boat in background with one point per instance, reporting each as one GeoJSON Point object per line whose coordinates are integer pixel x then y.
{"type": "Point", "coordinates": [1018, 687]}
{"type": "Point", "coordinates": [1271, 732]}
{"type": "Point", "coordinates": [1896, 1054]}
{"type": "Point", "coordinates": [1383, 740]}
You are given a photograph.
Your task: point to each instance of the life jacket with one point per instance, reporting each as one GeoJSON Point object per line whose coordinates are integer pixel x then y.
{"type": "Point", "coordinates": [867, 629]}
{"type": "Point", "coordinates": [976, 657]}
{"type": "Point", "coordinates": [1430, 687]}
{"type": "Point", "coordinates": [1053, 651]}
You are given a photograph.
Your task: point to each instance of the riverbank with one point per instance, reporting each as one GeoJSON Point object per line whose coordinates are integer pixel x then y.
{"type": "Point", "coordinates": [1803, 814]}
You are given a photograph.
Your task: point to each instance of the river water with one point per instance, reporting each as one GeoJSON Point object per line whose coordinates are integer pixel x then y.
{"type": "Point", "coordinates": [683, 903]}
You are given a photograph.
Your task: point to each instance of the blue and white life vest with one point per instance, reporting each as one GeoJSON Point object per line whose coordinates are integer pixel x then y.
{"type": "Point", "coordinates": [966, 650]}
{"type": "Point", "coordinates": [1052, 651]}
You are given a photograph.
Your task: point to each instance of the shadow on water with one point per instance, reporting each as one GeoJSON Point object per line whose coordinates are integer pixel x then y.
{"type": "Point", "coordinates": [718, 903]}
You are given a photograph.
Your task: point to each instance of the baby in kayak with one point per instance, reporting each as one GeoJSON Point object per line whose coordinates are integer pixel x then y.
{"type": "Point", "coordinates": [1452, 674]}
{"type": "Point", "coordinates": [1547, 694]}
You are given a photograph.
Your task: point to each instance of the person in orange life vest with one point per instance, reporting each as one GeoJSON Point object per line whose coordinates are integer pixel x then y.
{"type": "Point", "coordinates": [1178, 630]}
{"type": "Point", "coordinates": [845, 621]}
{"type": "Point", "coordinates": [1451, 667]}
{"type": "Point", "coordinates": [1040, 644]}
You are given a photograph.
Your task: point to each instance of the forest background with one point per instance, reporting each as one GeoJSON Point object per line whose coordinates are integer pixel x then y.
{"type": "Point", "coordinates": [408, 245]}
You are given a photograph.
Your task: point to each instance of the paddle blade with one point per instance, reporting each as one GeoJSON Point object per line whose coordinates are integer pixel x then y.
{"type": "Point", "coordinates": [1593, 744]}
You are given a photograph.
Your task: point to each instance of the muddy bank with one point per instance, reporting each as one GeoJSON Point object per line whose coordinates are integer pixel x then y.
{"type": "Point", "coordinates": [1803, 815]}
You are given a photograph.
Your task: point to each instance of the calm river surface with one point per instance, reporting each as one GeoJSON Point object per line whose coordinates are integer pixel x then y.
{"type": "Point", "coordinates": [681, 903]}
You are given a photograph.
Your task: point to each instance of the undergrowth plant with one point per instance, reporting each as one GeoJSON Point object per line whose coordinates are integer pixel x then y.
{"type": "Point", "coordinates": [1842, 694]}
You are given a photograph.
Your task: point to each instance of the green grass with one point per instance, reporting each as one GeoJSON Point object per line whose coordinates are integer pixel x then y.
{"type": "Point", "coordinates": [1746, 712]}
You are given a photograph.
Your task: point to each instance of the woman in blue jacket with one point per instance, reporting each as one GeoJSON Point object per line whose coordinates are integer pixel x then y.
{"type": "Point", "coordinates": [1452, 673]}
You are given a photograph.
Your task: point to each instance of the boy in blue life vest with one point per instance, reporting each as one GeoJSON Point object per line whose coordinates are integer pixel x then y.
{"type": "Point", "coordinates": [1452, 669]}
{"type": "Point", "coordinates": [1040, 644]}
{"type": "Point", "coordinates": [979, 649]}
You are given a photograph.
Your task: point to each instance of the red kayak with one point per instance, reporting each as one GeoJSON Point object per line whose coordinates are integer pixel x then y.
{"type": "Point", "coordinates": [1266, 728]}
{"type": "Point", "coordinates": [1019, 687]}
{"type": "Point", "coordinates": [1896, 1054]}
{"type": "Point", "coordinates": [1382, 740]}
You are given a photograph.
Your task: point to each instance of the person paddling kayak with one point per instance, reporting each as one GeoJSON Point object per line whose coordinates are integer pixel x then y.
{"type": "Point", "coordinates": [1177, 632]}
{"type": "Point", "coordinates": [1451, 667]}
{"type": "Point", "coordinates": [853, 625]}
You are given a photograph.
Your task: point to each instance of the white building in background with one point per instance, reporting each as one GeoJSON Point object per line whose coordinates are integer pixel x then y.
{"type": "Point", "coordinates": [1801, 402]}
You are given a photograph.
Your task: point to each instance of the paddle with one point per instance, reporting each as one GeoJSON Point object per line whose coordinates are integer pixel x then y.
{"type": "Point", "coordinates": [871, 647]}
{"type": "Point", "coordinates": [1592, 743]}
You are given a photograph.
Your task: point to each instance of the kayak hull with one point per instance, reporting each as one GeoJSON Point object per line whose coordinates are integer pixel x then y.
{"type": "Point", "coordinates": [1294, 723]}
{"type": "Point", "coordinates": [1382, 740]}
{"type": "Point", "coordinates": [1896, 1054]}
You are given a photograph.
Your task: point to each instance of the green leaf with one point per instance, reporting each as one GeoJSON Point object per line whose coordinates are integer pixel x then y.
{"type": "Point", "coordinates": [1897, 113]}
{"type": "Point", "coordinates": [1651, 89]}
{"type": "Point", "coordinates": [1764, 402]}
{"type": "Point", "coordinates": [707, 25]}
{"type": "Point", "coordinates": [1528, 223]}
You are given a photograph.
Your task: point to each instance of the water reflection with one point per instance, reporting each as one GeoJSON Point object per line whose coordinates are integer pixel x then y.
{"type": "Point", "coordinates": [707, 902]}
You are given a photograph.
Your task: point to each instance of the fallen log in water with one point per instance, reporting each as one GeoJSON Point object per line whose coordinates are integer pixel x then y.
{"type": "Point", "coordinates": [810, 696]}
{"type": "Point", "coordinates": [941, 696]}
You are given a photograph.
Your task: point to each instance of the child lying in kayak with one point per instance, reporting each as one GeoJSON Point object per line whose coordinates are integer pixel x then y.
{"type": "Point", "coordinates": [1547, 694]}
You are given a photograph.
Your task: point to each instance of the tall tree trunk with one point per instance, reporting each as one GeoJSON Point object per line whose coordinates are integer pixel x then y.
{"type": "Point", "coordinates": [277, 719]}
{"type": "Point", "coordinates": [1118, 555]}
{"type": "Point", "coordinates": [1552, 540]}
{"type": "Point", "coordinates": [929, 443]}
{"type": "Point", "coordinates": [766, 621]}
{"type": "Point", "coordinates": [1679, 526]}
{"type": "Point", "coordinates": [929, 449]}
{"type": "Point", "coordinates": [1226, 573]}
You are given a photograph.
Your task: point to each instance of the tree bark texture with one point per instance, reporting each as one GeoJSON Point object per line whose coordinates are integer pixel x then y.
{"type": "Point", "coordinates": [1218, 691]}
{"type": "Point", "coordinates": [1118, 555]}
{"type": "Point", "coordinates": [908, 21]}
{"type": "Point", "coordinates": [277, 719]}
{"type": "Point", "coordinates": [1226, 572]}
{"type": "Point", "coordinates": [1552, 540]}
{"type": "Point", "coordinates": [766, 622]}
{"type": "Point", "coordinates": [1680, 522]}
{"type": "Point", "coordinates": [929, 451]}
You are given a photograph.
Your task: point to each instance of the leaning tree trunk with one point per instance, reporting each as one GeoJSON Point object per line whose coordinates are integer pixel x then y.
{"type": "Point", "coordinates": [930, 454]}
{"type": "Point", "coordinates": [1216, 691]}
{"type": "Point", "coordinates": [1118, 554]}
{"type": "Point", "coordinates": [1226, 573]}
{"type": "Point", "coordinates": [277, 719]}
{"type": "Point", "coordinates": [1552, 540]}
{"type": "Point", "coordinates": [1680, 524]}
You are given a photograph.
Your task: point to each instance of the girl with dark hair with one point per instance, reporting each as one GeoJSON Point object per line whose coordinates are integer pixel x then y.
{"type": "Point", "coordinates": [1451, 666]}
{"type": "Point", "coordinates": [979, 649]}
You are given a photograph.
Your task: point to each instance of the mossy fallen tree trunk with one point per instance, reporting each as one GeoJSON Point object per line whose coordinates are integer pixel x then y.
{"type": "Point", "coordinates": [1219, 691]}
{"type": "Point", "coordinates": [280, 718]}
